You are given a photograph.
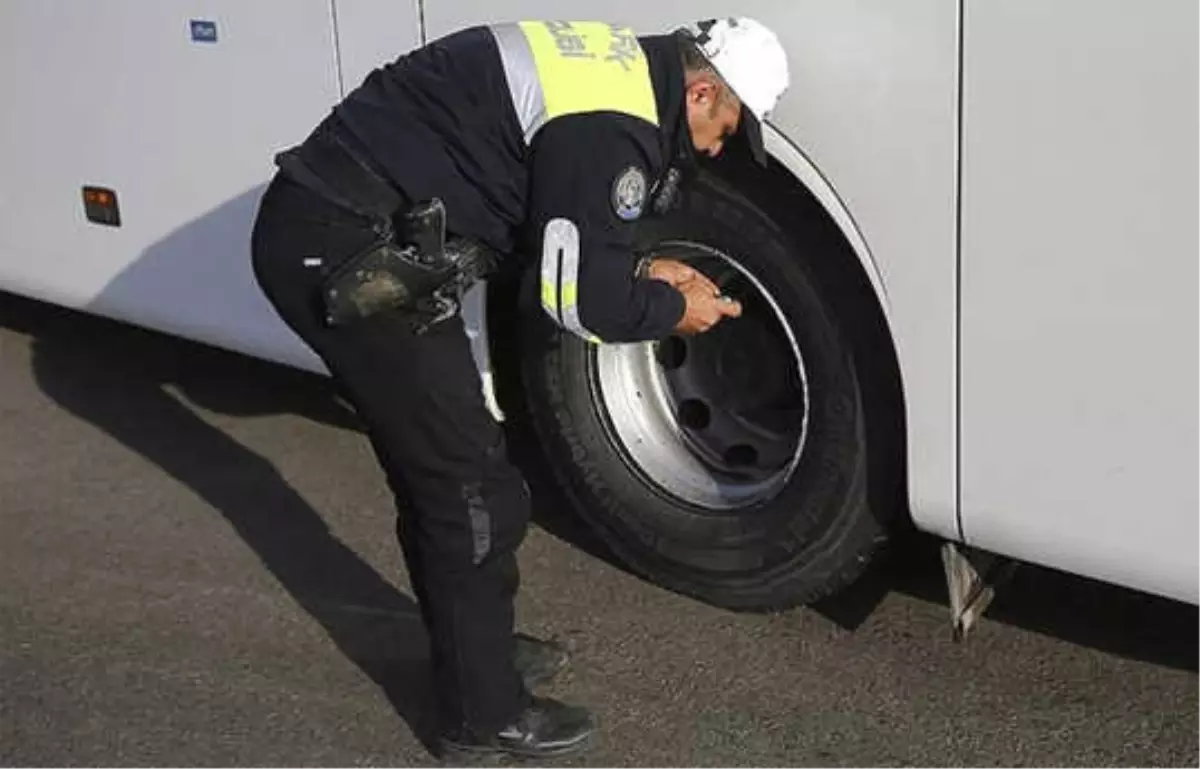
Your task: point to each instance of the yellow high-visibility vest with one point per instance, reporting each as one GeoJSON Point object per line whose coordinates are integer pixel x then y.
{"type": "Point", "coordinates": [557, 68]}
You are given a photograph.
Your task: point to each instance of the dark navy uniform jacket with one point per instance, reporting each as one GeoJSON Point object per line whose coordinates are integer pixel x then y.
{"type": "Point", "coordinates": [544, 139]}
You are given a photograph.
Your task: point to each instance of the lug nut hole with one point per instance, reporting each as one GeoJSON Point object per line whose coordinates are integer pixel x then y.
{"type": "Point", "coordinates": [672, 352]}
{"type": "Point", "coordinates": [694, 414]}
{"type": "Point", "coordinates": [741, 455]}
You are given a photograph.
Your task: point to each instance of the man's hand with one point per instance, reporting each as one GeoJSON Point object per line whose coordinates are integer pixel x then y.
{"type": "Point", "coordinates": [677, 273]}
{"type": "Point", "coordinates": [705, 307]}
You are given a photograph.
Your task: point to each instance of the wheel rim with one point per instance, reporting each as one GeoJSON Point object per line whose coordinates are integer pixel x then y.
{"type": "Point", "coordinates": [718, 420]}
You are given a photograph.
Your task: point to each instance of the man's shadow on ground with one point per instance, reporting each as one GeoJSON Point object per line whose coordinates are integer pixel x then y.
{"type": "Point", "coordinates": [119, 378]}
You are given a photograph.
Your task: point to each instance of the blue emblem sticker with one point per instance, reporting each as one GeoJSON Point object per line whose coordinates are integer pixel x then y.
{"type": "Point", "coordinates": [203, 31]}
{"type": "Point", "coordinates": [629, 193]}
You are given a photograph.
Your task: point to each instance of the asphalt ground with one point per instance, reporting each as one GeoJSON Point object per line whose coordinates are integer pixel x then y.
{"type": "Point", "coordinates": [199, 569]}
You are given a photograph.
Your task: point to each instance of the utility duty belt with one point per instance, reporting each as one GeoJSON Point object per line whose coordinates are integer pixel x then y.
{"type": "Point", "coordinates": [409, 266]}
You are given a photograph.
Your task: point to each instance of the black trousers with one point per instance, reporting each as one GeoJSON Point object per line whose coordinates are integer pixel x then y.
{"type": "Point", "coordinates": [462, 507]}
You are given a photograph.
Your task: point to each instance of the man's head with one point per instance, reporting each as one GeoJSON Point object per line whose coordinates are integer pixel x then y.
{"type": "Point", "coordinates": [713, 109]}
{"type": "Point", "coordinates": [736, 71]}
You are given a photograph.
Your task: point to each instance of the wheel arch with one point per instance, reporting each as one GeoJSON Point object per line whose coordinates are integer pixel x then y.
{"type": "Point", "coordinates": [792, 169]}
{"type": "Point", "coordinates": [796, 193]}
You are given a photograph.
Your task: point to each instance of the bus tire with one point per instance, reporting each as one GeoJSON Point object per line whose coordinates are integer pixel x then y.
{"type": "Point", "coordinates": [812, 530]}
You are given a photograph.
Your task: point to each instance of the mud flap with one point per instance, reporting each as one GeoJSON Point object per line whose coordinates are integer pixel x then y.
{"type": "Point", "coordinates": [972, 577]}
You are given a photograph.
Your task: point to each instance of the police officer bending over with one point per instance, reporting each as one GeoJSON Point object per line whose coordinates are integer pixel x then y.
{"type": "Point", "coordinates": [531, 147]}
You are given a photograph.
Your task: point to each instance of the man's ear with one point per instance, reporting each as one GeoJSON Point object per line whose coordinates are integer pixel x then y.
{"type": "Point", "coordinates": [701, 91]}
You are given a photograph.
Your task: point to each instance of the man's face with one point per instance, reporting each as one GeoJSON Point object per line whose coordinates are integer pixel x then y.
{"type": "Point", "coordinates": [713, 114]}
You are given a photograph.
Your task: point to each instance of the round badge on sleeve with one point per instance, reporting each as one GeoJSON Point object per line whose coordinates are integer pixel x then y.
{"type": "Point", "coordinates": [629, 193]}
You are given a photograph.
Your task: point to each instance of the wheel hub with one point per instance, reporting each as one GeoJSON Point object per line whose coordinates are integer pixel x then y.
{"type": "Point", "coordinates": [717, 419]}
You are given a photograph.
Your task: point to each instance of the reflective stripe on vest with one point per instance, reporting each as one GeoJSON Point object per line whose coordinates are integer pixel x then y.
{"type": "Point", "coordinates": [557, 68]}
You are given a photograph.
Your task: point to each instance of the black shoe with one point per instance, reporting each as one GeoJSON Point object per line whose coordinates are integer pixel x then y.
{"type": "Point", "coordinates": [546, 728]}
{"type": "Point", "coordinates": [538, 661]}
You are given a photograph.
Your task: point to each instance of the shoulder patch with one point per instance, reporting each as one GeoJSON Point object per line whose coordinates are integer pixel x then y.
{"type": "Point", "coordinates": [629, 193]}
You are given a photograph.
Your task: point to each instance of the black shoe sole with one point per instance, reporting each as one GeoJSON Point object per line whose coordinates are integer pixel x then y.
{"type": "Point", "coordinates": [454, 752]}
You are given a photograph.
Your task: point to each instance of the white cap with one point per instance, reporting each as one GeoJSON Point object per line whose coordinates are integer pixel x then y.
{"type": "Point", "coordinates": [751, 60]}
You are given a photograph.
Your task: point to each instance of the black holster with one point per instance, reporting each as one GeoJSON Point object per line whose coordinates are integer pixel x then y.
{"type": "Point", "coordinates": [409, 266]}
{"type": "Point", "coordinates": [425, 277]}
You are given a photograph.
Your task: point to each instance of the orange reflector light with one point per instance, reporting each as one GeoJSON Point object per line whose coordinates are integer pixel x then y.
{"type": "Point", "coordinates": [100, 206]}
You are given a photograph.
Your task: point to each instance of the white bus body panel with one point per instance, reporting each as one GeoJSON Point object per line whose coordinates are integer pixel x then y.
{"type": "Point", "coordinates": [1079, 281]}
{"type": "Point", "coordinates": [873, 105]}
{"type": "Point", "coordinates": [118, 94]}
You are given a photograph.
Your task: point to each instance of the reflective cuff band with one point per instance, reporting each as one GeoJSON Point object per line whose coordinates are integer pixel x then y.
{"type": "Point", "coordinates": [560, 277]}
